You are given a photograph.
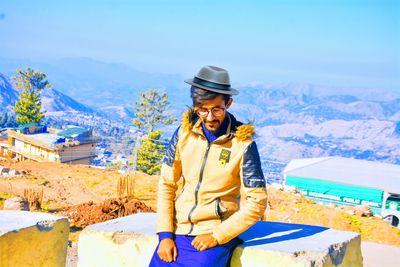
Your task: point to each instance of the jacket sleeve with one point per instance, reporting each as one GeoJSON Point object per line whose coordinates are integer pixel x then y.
{"type": "Point", "coordinates": [253, 192]}
{"type": "Point", "coordinates": [170, 173]}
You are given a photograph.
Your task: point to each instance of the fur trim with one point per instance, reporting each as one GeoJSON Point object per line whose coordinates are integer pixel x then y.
{"type": "Point", "coordinates": [187, 124]}
{"type": "Point", "coordinates": [245, 132]}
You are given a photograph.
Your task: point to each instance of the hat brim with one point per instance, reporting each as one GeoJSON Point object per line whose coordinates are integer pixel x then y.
{"type": "Point", "coordinates": [230, 91]}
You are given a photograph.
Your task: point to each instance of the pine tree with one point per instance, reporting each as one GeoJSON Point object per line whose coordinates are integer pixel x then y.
{"type": "Point", "coordinates": [150, 113]}
{"type": "Point", "coordinates": [29, 83]}
{"type": "Point", "coordinates": [150, 153]}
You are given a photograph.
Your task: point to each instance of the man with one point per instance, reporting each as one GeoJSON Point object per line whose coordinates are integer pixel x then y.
{"type": "Point", "coordinates": [216, 158]}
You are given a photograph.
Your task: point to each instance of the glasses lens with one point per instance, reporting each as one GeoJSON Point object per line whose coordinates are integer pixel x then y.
{"type": "Point", "coordinates": [217, 112]}
{"type": "Point", "coordinates": [202, 112]}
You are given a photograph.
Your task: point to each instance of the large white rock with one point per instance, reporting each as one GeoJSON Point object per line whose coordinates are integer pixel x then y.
{"type": "Point", "coordinates": [32, 239]}
{"type": "Point", "coordinates": [131, 240]}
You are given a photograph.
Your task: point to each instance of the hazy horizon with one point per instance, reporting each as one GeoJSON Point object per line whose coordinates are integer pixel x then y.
{"type": "Point", "coordinates": [354, 44]}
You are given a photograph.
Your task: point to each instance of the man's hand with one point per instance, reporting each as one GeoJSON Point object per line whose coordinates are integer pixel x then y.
{"type": "Point", "coordinates": [167, 250]}
{"type": "Point", "coordinates": [203, 242]}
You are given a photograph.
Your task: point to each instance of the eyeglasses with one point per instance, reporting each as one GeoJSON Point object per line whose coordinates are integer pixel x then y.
{"type": "Point", "coordinates": [216, 112]}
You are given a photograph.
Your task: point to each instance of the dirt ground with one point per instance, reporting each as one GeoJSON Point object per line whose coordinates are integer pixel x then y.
{"type": "Point", "coordinates": [292, 207]}
{"type": "Point", "coordinates": [89, 213]}
{"type": "Point", "coordinates": [66, 185]}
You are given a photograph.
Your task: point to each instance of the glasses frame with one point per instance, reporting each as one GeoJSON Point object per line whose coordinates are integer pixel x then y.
{"type": "Point", "coordinates": [208, 112]}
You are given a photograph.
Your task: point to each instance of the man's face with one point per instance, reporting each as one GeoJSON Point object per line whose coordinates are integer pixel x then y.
{"type": "Point", "coordinates": [212, 112]}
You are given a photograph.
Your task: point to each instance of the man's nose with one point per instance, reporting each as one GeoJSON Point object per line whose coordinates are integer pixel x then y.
{"type": "Point", "coordinates": [210, 116]}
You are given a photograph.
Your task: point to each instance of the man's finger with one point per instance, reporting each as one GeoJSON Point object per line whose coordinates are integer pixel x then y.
{"type": "Point", "coordinates": [169, 255]}
{"type": "Point", "coordinates": [202, 247]}
{"type": "Point", "coordinates": [175, 253]}
{"type": "Point", "coordinates": [162, 256]}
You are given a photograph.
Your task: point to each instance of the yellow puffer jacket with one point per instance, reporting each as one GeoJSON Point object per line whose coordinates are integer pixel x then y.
{"type": "Point", "coordinates": [214, 174]}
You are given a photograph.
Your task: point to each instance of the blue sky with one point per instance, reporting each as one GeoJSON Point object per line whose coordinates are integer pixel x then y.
{"type": "Point", "coordinates": [336, 43]}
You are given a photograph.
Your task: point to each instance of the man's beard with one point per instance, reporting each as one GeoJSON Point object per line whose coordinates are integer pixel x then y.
{"type": "Point", "coordinates": [216, 125]}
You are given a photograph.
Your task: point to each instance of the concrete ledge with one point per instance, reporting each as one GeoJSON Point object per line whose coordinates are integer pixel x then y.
{"type": "Point", "coordinates": [32, 239]}
{"type": "Point", "coordinates": [131, 240]}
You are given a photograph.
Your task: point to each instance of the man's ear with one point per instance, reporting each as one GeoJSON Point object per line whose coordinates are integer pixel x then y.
{"type": "Point", "coordinates": [229, 103]}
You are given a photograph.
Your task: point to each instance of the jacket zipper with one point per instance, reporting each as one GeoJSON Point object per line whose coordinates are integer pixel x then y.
{"type": "Point", "coordinates": [197, 188]}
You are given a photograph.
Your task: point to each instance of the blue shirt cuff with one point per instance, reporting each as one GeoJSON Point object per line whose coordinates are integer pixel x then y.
{"type": "Point", "coordinates": [164, 235]}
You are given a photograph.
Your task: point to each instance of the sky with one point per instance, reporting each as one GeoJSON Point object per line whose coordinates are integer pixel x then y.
{"type": "Point", "coordinates": [337, 43]}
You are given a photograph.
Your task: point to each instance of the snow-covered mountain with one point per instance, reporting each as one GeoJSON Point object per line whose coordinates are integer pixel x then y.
{"type": "Point", "coordinates": [363, 139]}
{"type": "Point", "coordinates": [8, 95]}
{"type": "Point", "coordinates": [119, 113]}
{"type": "Point", "coordinates": [293, 120]}
{"type": "Point", "coordinates": [53, 101]}
{"type": "Point", "coordinates": [94, 83]}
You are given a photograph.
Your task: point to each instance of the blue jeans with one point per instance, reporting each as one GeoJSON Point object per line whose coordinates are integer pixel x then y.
{"type": "Point", "coordinates": [189, 256]}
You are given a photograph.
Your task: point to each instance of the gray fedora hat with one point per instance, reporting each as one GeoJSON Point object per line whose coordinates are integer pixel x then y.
{"type": "Point", "coordinates": [213, 79]}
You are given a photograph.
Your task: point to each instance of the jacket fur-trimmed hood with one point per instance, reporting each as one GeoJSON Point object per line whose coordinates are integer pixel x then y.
{"type": "Point", "coordinates": [241, 131]}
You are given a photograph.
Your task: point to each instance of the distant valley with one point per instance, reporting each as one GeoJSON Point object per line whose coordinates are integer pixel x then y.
{"type": "Point", "coordinates": [293, 121]}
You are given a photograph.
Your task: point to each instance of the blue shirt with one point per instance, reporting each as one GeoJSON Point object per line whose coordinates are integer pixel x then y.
{"type": "Point", "coordinates": [212, 136]}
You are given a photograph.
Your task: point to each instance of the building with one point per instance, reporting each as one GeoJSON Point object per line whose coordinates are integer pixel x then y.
{"type": "Point", "coordinates": [75, 145]}
{"type": "Point", "coordinates": [3, 144]}
{"type": "Point", "coordinates": [346, 181]}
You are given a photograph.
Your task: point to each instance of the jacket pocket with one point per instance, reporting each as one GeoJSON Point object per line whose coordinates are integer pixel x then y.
{"type": "Point", "coordinates": [218, 210]}
{"type": "Point", "coordinates": [224, 209]}
{"type": "Point", "coordinates": [205, 212]}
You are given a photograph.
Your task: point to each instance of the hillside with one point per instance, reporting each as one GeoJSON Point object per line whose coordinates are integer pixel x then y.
{"type": "Point", "coordinates": [53, 101]}
{"type": "Point", "coordinates": [8, 95]}
{"type": "Point", "coordinates": [68, 185]}
{"type": "Point", "coordinates": [293, 120]}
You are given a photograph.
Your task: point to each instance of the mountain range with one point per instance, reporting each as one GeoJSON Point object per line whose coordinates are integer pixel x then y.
{"type": "Point", "coordinates": [53, 101]}
{"type": "Point", "coordinates": [293, 120]}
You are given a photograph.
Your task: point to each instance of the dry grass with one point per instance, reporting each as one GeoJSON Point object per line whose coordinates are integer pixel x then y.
{"type": "Point", "coordinates": [126, 185]}
{"type": "Point", "coordinates": [294, 208]}
{"type": "Point", "coordinates": [34, 198]}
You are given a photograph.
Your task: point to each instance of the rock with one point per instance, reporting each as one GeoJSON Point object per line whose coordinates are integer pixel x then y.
{"type": "Point", "coordinates": [32, 239]}
{"type": "Point", "coordinates": [131, 241]}
{"type": "Point", "coordinates": [350, 211]}
{"type": "Point", "coordinates": [16, 203]}
{"type": "Point", "coordinates": [4, 170]}
{"type": "Point", "coordinates": [364, 211]}
{"type": "Point", "coordinates": [13, 173]}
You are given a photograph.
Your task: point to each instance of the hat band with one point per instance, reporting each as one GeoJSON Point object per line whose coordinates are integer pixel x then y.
{"type": "Point", "coordinates": [211, 84]}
